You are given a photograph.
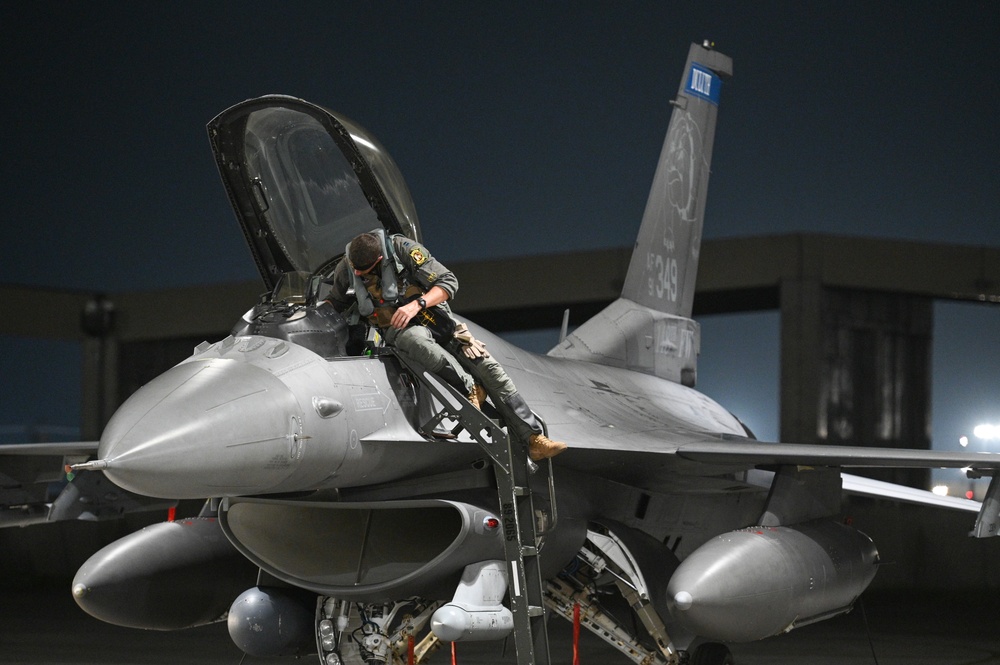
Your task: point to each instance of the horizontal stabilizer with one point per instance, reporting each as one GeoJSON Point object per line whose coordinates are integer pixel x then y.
{"type": "Point", "coordinates": [879, 489]}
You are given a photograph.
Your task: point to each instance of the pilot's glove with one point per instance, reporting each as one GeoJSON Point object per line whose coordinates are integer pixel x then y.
{"type": "Point", "coordinates": [471, 347]}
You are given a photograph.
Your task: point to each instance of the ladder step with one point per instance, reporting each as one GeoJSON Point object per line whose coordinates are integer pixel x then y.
{"type": "Point", "coordinates": [510, 468]}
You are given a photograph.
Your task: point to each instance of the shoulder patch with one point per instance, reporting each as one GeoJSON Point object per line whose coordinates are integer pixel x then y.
{"type": "Point", "coordinates": [418, 256]}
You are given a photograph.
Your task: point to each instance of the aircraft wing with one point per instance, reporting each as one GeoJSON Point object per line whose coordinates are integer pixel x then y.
{"type": "Point", "coordinates": [778, 454]}
{"type": "Point", "coordinates": [66, 448]}
{"type": "Point", "coordinates": [35, 488]}
{"type": "Point", "coordinates": [694, 453]}
{"type": "Point", "coordinates": [757, 453]}
{"type": "Point", "coordinates": [700, 463]}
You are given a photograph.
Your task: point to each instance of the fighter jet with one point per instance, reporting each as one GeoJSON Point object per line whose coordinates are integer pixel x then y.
{"type": "Point", "coordinates": [338, 523]}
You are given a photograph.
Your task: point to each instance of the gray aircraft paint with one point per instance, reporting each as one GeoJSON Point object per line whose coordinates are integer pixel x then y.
{"type": "Point", "coordinates": [651, 460]}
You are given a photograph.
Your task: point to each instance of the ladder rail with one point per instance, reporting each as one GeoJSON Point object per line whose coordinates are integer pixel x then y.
{"type": "Point", "coordinates": [512, 469]}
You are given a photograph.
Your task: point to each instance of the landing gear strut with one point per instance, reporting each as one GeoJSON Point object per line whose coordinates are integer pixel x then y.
{"type": "Point", "coordinates": [368, 634]}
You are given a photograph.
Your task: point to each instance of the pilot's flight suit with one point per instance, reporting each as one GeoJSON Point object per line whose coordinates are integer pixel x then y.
{"type": "Point", "coordinates": [418, 268]}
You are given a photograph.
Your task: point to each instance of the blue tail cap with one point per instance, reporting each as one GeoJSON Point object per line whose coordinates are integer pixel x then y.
{"type": "Point", "coordinates": [703, 82]}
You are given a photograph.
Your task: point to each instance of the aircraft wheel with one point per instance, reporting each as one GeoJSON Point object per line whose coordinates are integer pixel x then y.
{"type": "Point", "coordinates": [712, 653]}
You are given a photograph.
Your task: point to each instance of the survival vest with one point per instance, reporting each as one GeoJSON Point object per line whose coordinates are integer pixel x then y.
{"type": "Point", "coordinates": [389, 273]}
{"type": "Point", "coordinates": [377, 301]}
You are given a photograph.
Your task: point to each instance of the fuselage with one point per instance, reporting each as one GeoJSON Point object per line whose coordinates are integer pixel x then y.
{"type": "Point", "coordinates": [256, 415]}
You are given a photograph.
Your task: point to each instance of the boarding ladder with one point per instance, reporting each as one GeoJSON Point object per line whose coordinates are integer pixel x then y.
{"type": "Point", "coordinates": [512, 468]}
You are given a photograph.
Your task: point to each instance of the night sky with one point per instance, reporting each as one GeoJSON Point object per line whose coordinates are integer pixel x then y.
{"type": "Point", "coordinates": [520, 129]}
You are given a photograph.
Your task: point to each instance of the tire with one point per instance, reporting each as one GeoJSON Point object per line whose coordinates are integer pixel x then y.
{"type": "Point", "coordinates": [712, 653]}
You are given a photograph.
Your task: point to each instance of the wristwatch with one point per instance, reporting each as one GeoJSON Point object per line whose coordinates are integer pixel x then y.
{"type": "Point", "coordinates": [423, 303]}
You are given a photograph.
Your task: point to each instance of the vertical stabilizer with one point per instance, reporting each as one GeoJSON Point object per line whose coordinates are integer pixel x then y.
{"type": "Point", "coordinates": [665, 261]}
{"type": "Point", "coordinates": [649, 328]}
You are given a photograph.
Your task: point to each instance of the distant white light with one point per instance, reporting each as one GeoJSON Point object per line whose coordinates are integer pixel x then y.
{"type": "Point", "coordinates": [940, 490]}
{"type": "Point", "coordinates": [987, 431]}
{"type": "Point", "coordinates": [964, 441]}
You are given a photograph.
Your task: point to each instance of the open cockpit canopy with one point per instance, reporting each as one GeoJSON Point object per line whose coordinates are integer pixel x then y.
{"type": "Point", "coordinates": [304, 181]}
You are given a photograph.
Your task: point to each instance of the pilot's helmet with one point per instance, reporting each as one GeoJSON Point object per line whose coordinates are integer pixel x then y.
{"type": "Point", "coordinates": [364, 251]}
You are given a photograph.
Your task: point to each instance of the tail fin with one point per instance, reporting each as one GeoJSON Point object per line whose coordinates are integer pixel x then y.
{"type": "Point", "coordinates": [665, 262]}
{"type": "Point", "coordinates": [649, 328]}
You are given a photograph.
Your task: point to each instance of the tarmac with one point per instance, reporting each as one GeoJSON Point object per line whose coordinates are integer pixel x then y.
{"type": "Point", "coordinates": [44, 626]}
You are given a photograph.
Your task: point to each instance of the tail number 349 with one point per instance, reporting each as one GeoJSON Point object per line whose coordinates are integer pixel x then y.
{"type": "Point", "coordinates": [662, 276]}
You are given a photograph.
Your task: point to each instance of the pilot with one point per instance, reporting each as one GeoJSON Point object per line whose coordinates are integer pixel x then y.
{"type": "Point", "coordinates": [397, 283]}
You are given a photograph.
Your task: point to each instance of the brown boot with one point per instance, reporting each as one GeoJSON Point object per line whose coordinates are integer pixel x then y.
{"type": "Point", "coordinates": [542, 447]}
{"type": "Point", "coordinates": [477, 396]}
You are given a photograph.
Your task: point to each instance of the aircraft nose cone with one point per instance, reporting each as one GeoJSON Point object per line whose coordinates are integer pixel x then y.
{"type": "Point", "coordinates": [204, 428]}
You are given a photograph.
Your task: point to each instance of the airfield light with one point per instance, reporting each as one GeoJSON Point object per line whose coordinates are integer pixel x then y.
{"type": "Point", "coordinates": [963, 441]}
{"type": "Point", "coordinates": [987, 431]}
{"type": "Point", "coordinates": [969, 494]}
{"type": "Point", "coordinates": [940, 490]}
